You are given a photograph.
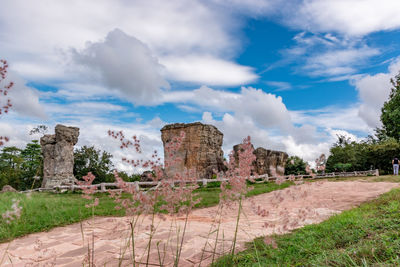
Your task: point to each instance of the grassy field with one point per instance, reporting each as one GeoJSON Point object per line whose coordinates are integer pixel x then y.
{"type": "Point", "coordinates": [43, 211]}
{"type": "Point", "coordinates": [365, 236]}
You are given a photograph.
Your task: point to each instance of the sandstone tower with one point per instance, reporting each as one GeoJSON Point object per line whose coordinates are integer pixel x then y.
{"type": "Point", "coordinates": [58, 156]}
{"type": "Point", "coordinates": [201, 150]}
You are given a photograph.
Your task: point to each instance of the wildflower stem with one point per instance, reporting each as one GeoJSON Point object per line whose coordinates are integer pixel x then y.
{"type": "Point", "coordinates": [216, 237]}
{"type": "Point", "coordinates": [183, 236]}
{"type": "Point", "coordinates": [92, 248]}
{"type": "Point", "coordinates": [4, 254]}
{"type": "Point", "coordinates": [133, 226]}
{"type": "Point", "coordinates": [151, 235]}
{"type": "Point", "coordinates": [209, 232]}
{"type": "Point", "coordinates": [237, 226]}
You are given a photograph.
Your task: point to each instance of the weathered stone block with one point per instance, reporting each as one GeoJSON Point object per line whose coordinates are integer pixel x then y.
{"type": "Point", "coordinates": [267, 161]}
{"type": "Point", "coordinates": [200, 151]}
{"type": "Point", "coordinates": [58, 156]}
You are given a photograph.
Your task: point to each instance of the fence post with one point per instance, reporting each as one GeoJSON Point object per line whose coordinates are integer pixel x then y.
{"type": "Point", "coordinates": [377, 172]}
{"type": "Point", "coordinates": [137, 187]}
{"type": "Point", "coordinates": [102, 187]}
{"type": "Point", "coordinates": [204, 182]}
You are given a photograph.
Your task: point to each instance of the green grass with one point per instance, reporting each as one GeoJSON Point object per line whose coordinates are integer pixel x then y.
{"type": "Point", "coordinates": [365, 236]}
{"type": "Point", "coordinates": [44, 211]}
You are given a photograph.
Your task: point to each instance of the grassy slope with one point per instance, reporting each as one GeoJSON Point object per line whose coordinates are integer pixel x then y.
{"type": "Point", "coordinates": [43, 211]}
{"type": "Point", "coordinates": [365, 236]}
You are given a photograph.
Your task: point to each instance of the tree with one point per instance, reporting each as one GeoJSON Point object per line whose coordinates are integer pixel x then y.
{"type": "Point", "coordinates": [348, 155]}
{"type": "Point", "coordinates": [32, 165]}
{"type": "Point", "coordinates": [5, 102]}
{"type": "Point", "coordinates": [295, 165]}
{"type": "Point", "coordinates": [21, 167]}
{"type": "Point", "coordinates": [89, 159]}
{"type": "Point", "coordinates": [390, 116]}
{"type": "Point", "coordinates": [10, 167]}
{"type": "Point", "coordinates": [40, 129]}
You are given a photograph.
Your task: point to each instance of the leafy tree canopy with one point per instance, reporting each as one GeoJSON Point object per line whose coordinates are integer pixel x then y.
{"type": "Point", "coordinates": [390, 116]}
{"type": "Point", "coordinates": [295, 165]}
{"type": "Point", "coordinates": [21, 168]}
{"type": "Point", "coordinates": [90, 159]}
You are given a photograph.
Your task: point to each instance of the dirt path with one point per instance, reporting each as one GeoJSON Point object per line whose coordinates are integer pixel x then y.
{"type": "Point", "coordinates": [283, 210]}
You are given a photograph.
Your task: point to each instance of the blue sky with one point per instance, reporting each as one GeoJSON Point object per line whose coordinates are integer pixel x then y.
{"type": "Point", "coordinates": [291, 74]}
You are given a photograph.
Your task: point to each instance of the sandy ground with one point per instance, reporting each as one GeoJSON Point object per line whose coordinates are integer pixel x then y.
{"type": "Point", "coordinates": [278, 212]}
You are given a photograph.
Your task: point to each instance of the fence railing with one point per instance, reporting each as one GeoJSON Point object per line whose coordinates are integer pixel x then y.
{"type": "Point", "coordinates": [102, 187]}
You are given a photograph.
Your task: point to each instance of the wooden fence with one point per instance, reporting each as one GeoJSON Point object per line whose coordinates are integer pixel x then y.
{"type": "Point", "coordinates": [102, 187]}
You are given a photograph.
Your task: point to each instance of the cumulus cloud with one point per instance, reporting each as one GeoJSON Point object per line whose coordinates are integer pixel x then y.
{"type": "Point", "coordinates": [348, 17]}
{"type": "Point", "coordinates": [25, 100]}
{"type": "Point", "coordinates": [202, 31]}
{"type": "Point", "coordinates": [125, 64]}
{"type": "Point", "coordinates": [373, 91]}
{"type": "Point", "coordinates": [235, 129]}
{"type": "Point", "coordinates": [265, 109]}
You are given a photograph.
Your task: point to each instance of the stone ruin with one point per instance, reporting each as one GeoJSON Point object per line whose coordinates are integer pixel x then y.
{"type": "Point", "coordinates": [58, 156]}
{"type": "Point", "coordinates": [267, 161]}
{"type": "Point", "coordinates": [270, 162]}
{"type": "Point", "coordinates": [201, 150]}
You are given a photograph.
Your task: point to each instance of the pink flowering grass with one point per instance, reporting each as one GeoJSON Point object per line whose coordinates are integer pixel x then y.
{"type": "Point", "coordinates": [173, 195]}
{"type": "Point", "coordinates": [5, 101]}
{"type": "Point", "coordinates": [14, 213]}
{"type": "Point", "coordinates": [88, 190]}
{"type": "Point", "coordinates": [9, 216]}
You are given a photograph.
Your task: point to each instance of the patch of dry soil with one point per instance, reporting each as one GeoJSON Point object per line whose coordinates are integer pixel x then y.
{"type": "Point", "coordinates": [282, 210]}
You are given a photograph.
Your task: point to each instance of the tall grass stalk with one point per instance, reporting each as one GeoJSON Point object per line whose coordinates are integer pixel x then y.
{"type": "Point", "coordinates": [151, 236]}
{"type": "Point", "coordinates": [211, 232]}
{"type": "Point", "coordinates": [237, 226]}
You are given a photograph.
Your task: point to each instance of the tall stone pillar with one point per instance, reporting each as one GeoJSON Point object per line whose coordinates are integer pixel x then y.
{"type": "Point", "coordinates": [58, 156]}
{"type": "Point", "coordinates": [200, 151]}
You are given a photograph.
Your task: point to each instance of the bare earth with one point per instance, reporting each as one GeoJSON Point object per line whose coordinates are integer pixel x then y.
{"type": "Point", "coordinates": [305, 204]}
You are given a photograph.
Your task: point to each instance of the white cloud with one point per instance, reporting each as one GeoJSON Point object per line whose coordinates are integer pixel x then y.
{"type": "Point", "coordinates": [201, 69]}
{"type": "Point", "coordinates": [265, 109]}
{"type": "Point", "coordinates": [53, 27]}
{"type": "Point", "coordinates": [332, 118]}
{"type": "Point", "coordinates": [373, 91]}
{"type": "Point", "coordinates": [280, 86]}
{"type": "Point", "coordinates": [235, 129]}
{"type": "Point", "coordinates": [339, 62]}
{"type": "Point", "coordinates": [25, 100]}
{"type": "Point", "coordinates": [125, 64]}
{"type": "Point", "coordinates": [348, 17]}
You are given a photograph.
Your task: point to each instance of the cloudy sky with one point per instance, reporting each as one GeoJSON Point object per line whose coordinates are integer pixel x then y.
{"type": "Point", "coordinates": [291, 74]}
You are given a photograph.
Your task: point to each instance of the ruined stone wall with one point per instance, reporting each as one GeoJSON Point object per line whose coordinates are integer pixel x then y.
{"type": "Point", "coordinates": [270, 162]}
{"type": "Point", "coordinates": [201, 150]}
{"type": "Point", "coordinates": [58, 156]}
{"type": "Point", "coordinates": [267, 161]}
